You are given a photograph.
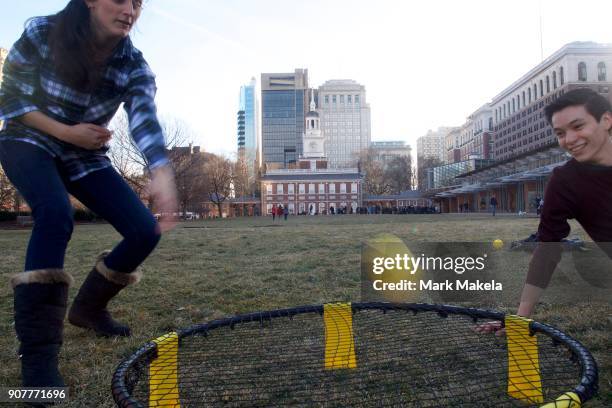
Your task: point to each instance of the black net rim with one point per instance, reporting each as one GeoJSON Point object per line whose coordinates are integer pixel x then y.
{"type": "Point", "coordinates": [585, 390]}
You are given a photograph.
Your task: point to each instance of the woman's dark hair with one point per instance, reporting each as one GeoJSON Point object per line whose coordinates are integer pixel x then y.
{"type": "Point", "coordinates": [595, 104]}
{"type": "Point", "coordinates": [72, 48]}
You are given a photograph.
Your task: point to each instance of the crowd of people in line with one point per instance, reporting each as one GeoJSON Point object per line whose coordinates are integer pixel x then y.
{"type": "Point", "coordinates": [280, 210]}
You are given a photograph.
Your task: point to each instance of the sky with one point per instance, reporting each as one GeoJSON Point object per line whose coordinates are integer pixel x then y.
{"type": "Point", "coordinates": [424, 64]}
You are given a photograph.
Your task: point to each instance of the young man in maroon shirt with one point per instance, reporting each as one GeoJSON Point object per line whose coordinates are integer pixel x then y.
{"type": "Point", "coordinates": [581, 189]}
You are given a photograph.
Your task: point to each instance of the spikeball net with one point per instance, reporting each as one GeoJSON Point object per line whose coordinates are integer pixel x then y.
{"type": "Point", "coordinates": [360, 354]}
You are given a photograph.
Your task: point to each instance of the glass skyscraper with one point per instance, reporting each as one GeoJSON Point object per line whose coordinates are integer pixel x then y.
{"type": "Point", "coordinates": [247, 125]}
{"type": "Point", "coordinates": [283, 105]}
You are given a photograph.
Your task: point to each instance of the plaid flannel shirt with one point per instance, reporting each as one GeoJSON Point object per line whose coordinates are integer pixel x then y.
{"type": "Point", "coordinates": [30, 83]}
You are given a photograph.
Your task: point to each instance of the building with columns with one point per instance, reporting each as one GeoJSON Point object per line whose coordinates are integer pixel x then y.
{"type": "Point", "coordinates": [524, 147]}
{"type": "Point", "coordinates": [519, 122]}
{"type": "Point", "coordinates": [312, 188]}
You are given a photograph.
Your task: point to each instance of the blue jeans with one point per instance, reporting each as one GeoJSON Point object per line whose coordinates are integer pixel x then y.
{"type": "Point", "coordinates": [45, 187]}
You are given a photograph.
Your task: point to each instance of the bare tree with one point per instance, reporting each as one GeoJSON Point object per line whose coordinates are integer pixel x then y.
{"type": "Point", "coordinates": [191, 183]}
{"type": "Point", "coordinates": [218, 179]}
{"type": "Point", "coordinates": [398, 174]}
{"type": "Point", "coordinates": [7, 192]}
{"type": "Point", "coordinates": [375, 182]}
{"type": "Point", "coordinates": [243, 180]}
{"type": "Point", "coordinates": [127, 158]}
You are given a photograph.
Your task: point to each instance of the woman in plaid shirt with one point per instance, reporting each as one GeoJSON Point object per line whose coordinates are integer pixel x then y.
{"type": "Point", "coordinates": [64, 79]}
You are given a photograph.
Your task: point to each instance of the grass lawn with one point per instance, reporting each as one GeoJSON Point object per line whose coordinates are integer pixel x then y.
{"type": "Point", "coordinates": [204, 270]}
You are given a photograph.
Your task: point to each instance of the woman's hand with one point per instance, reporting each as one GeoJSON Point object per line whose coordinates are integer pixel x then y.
{"type": "Point", "coordinates": [87, 135]}
{"type": "Point", "coordinates": [162, 190]}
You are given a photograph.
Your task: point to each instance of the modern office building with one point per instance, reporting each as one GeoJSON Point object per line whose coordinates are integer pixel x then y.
{"type": "Point", "coordinates": [284, 104]}
{"type": "Point", "coordinates": [433, 144]}
{"type": "Point", "coordinates": [248, 126]}
{"type": "Point", "coordinates": [345, 118]}
{"type": "Point", "coordinates": [431, 151]}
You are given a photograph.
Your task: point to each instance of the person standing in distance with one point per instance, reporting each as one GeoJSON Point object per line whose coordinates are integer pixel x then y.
{"type": "Point", "coordinates": [493, 203]}
{"type": "Point", "coordinates": [64, 80]}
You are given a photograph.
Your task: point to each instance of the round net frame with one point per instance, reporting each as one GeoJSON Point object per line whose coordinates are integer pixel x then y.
{"type": "Point", "coordinates": [359, 354]}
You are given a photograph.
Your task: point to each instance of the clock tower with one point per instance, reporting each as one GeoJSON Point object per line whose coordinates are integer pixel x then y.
{"type": "Point", "coordinates": [314, 140]}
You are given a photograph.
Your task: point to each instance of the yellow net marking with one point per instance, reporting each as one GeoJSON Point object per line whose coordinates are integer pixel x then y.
{"type": "Point", "coordinates": [163, 373]}
{"type": "Point", "coordinates": [339, 341]}
{"type": "Point", "coordinates": [567, 400]}
{"type": "Point", "coordinates": [524, 382]}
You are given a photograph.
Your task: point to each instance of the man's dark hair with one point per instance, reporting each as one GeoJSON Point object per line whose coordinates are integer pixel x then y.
{"type": "Point", "coordinates": [595, 104]}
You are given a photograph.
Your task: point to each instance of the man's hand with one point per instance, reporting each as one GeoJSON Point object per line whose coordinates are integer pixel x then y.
{"type": "Point", "coordinates": [162, 190]}
{"type": "Point", "coordinates": [87, 135]}
{"type": "Point", "coordinates": [491, 327]}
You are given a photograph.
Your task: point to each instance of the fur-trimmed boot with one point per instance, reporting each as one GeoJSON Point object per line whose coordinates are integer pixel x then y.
{"type": "Point", "coordinates": [40, 307]}
{"type": "Point", "coordinates": [89, 307]}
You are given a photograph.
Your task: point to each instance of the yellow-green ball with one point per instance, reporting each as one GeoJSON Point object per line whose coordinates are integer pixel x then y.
{"type": "Point", "coordinates": [498, 244]}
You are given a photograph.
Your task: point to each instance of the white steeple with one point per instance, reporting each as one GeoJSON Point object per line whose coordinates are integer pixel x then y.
{"type": "Point", "coordinates": [313, 138]}
{"type": "Point", "coordinates": [313, 106]}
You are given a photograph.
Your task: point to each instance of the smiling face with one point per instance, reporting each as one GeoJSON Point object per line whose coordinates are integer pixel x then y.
{"type": "Point", "coordinates": [586, 139]}
{"type": "Point", "coordinates": [112, 20]}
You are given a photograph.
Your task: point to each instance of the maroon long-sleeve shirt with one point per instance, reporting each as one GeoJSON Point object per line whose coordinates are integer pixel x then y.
{"type": "Point", "coordinates": [575, 191]}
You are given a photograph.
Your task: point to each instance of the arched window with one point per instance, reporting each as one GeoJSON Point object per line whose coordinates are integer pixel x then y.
{"type": "Point", "coordinates": [561, 78]}
{"type": "Point", "coordinates": [547, 84]}
{"type": "Point", "coordinates": [541, 88]}
{"type": "Point", "coordinates": [529, 94]}
{"type": "Point", "coordinates": [523, 99]}
{"type": "Point", "coordinates": [535, 91]}
{"type": "Point", "coordinates": [601, 71]}
{"type": "Point", "coordinates": [554, 79]}
{"type": "Point", "coordinates": [582, 72]}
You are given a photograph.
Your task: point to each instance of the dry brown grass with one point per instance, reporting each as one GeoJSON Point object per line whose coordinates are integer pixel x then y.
{"type": "Point", "coordinates": [209, 269]}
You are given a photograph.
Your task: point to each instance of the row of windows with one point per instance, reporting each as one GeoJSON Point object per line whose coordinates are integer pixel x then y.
{"type": "Point", "coordinates": [524, 133]}
{"type": "Point", "coordinates": [601, 72]}
{"type": "Point", "coordinates": [521, 148]}
{"type": "Point", "coordinates": [524, 98]}
{"type": "Point", "coordinates": [514, 105]}
{"type": "Point", "coordinates": [344, 188]}
{"type": "Point", "coordinates": [341, 98]}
